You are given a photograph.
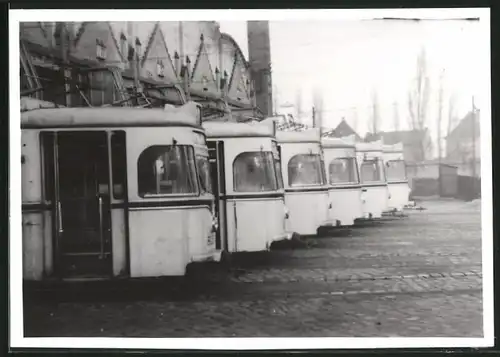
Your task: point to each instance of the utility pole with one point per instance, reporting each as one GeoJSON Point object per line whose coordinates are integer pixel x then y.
{"type": "Point", "coordinates": [314, 117]}
{"type": "Point", "coordinates": [275, 101]}
{"type": "Point", "coordinates": [473, 131]}
{"type": "Point", "coordinates": [439, 121]}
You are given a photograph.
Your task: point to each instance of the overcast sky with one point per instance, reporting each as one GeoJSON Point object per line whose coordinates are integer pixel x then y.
{"type": "Point", "coordinates": [348, 59]}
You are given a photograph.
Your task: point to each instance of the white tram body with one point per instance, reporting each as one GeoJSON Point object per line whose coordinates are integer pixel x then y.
{"type": "Point", "coordinates": [343, 178]}
{"type": "Point", "coordinates": [373, 180]}
{"type": "Point", "coordinates": [397, 180]}
{"type": "Point", "coordinates": [249, 193]}
{"type": "Point", "coordinates": [114, 192]}
{"type": "Point", "coordinates": [306, 189]}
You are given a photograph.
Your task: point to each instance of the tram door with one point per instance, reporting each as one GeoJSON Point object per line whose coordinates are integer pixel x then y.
{"type": "Point", "coordinates": [216, 159]}
{"type": "Point", "coordinates": [77, 168]}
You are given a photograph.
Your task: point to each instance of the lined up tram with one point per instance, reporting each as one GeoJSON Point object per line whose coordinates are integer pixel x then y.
{"type": "Point", "coordinates": [114, 192]}
{"type": "Point", "coordinates": [247, 184]}
{"type": "Point", "coordinates": [397, 180]}
{"type": "Point", "coordinates": [373, 181]}
{"type": "Point", "coordinates": [343, 178]}
{"type": "Point", "coordinates": [306, 188]}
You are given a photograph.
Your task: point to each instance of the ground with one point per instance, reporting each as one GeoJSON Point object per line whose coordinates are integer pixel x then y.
{"type": "Point", "coordinates": [418, 276]}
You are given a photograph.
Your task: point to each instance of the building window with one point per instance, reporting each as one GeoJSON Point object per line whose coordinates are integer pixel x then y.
{"type": "Point", "coordinates": [100, 49]}
{"type": "Point", "coordinates": [50, 79]}
{"type": "Point", "coordinates": [204, 82]}
{"type": "Point", "coordinates": [167, 170]}
{"type": "Point", "coordinates": [102, 88]}
{"type": "Point", "coordinates": [160, 69]}
{"type": "Point", "coordinates": [123, 45]}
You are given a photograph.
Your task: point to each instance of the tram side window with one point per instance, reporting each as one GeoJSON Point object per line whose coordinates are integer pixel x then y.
{"type": "Point", "coordinates": [48, 147]}
{"type": "Point", "coordinates": [277, 165]}
{"type": "Point", "coordinates": [371, 171]}
{"type": "Point", "coordinates": [254, 172]}
{"type": "Point", "coordinates": [396, 170]}
{"type": "Point", "coordinates": [203, 168]}
{"type": "Point", "coordinates": [305, 170]}
{"type": "Point", "coordinates": [119, 164]}
{"type": "Point", "coordinates": [167, 170]}
{"type": "Point", "coordinates": [343, 170]}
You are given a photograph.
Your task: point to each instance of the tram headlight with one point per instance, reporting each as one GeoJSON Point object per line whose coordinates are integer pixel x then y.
{"type": "Point", "coordinates": [287, 212]}
{"type": "Point", "coordinates": [215, 224]}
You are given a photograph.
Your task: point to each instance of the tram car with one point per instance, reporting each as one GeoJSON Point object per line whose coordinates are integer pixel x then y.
{"type": "Point", "coordinates": [247, 184]}
{"type": "Point", "coordinates": [114, 192]}
{"type": "Point", "coordinates": [397, 180]}
{"type": "Point", "coordinates": [306, 188]}
{"type": "Point", "coordinates": [343, 179]}
{"type": "Point", "coordinates": [373, 181]}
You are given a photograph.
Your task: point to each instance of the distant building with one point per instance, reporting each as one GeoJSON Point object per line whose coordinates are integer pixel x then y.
{"type": "Point", "coordinates": [417, 144]}
{"type": "Point", "coordinates": [342, 130]}
{"type": "Point", "coordinates": [146, 63]}
{"type": "Point", "coordinates": [463, 145]}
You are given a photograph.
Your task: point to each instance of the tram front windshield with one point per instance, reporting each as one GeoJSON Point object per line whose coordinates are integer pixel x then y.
{"type": "Point", "coordinates": [306, 170]}
{"type": "Point", "coordinates": [396, 170]}
{"type": "Point", "coordinates": [167, 170]}
{"type": "Point", "coordinates": [254, 172]}
{"type": "Point", "coordinates": [343, 171]}
{"type": "Point", "coordinates": [372, 171]}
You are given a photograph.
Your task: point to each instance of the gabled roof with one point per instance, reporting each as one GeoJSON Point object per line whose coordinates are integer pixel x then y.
{"type": "Point", "coordinates": [237, 81]}
{"type": "Point", "coordinates": [464, 127]}
{"type": "Point", "coordinates": [82, 29]}
{"type": "Point", "coordinates": [342, 130]}
{"type": "Point", "coordinates": [230, 39]}
{"type": "Point", "coordinates": [170, 72]}
{"type": "Point", "coordinates": [202, 70]}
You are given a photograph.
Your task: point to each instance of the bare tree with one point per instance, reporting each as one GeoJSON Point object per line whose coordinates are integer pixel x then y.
{"type": "Point", "coordinates": [452, 121]}
{"type": "Point", "coordinates": [418, 103]}
{"type": "Point", "coordinates": [395, 119]}
{"type": "Point", "coordinates": [452, 114]}
{"type": "Point", "coordinates": [440, 117]}
{"type": "Point", "coordinates": [375, 114]}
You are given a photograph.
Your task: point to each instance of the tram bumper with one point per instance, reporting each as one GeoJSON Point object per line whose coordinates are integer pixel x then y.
{"type": "Point", "coordinates": [208, 257]}
{"type": "Point", "coordinates": [281, 237]}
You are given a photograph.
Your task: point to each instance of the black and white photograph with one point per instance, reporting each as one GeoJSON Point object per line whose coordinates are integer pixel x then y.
{"type": "Point", "coordinates": [250, 179]}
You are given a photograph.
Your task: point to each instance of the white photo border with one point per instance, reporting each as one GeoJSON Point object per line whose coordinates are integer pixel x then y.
{"type": "Point", "coordinates": [17, 339]}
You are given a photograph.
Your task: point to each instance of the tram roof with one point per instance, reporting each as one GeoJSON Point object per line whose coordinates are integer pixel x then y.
{"type": "Point", "coordinates": [306, 136]}
{"type": "Point", "coordinates": [395, 148]}
{"type": "Point", "coordinates": [109, 117]}
{"type": "Point", "coordinates": [337, 143]}
{"type": "Point", "coordinates": [372, 146]}
{"type": "Point", "coordinates": [215, 129]}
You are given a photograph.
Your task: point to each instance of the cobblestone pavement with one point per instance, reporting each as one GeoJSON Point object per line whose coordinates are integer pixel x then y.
{"type": "Point", "coordinates": [418, 276]}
